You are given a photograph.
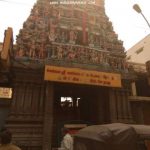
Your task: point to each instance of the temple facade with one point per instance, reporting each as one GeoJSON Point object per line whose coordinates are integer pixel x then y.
{"type": "Point", "coordinates": [68, 68]}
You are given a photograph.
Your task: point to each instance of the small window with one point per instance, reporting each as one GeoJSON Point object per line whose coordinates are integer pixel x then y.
{"type": "Point", "coordinates": [129, 57]}
{"type": "Point", "coordinates": [66, 102]}
{"type": "Point", "coordinates": [139, 50]}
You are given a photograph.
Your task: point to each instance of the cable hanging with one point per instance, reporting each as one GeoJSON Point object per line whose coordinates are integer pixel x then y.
{"type": "Point", "coordinates": [14, 2]}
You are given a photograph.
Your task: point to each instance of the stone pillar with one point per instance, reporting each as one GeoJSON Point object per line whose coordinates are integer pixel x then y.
{"type": "Point", "coordinates": [126, 107]}
{"type": "Point", "coordinates": [133, 87]}
{"type": "Point", "coordinates": [119, 106]}
{"type": "Point", "coordinates": [148, 71]}
{"type": "Point", "coordinates": [148, 67]}
{"type": "Point", "coordinates": [112, 103]}
{"type": "Point", "coordinates": [48, 117]}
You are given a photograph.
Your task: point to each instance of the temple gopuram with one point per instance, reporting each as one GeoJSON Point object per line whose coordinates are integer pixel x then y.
{"type": "Point", "coordinates": [69, 69]}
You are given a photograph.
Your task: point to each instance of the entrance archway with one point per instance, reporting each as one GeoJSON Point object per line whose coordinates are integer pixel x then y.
{"type": "Point", "coordinates": [79, 104]}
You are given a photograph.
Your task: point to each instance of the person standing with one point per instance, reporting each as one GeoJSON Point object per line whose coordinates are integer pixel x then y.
{"type": "Point", "coordinates": [67, 141]}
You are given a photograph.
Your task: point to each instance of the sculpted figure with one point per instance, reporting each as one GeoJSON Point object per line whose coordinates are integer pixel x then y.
{"type": "Point", "coordinates": [72, 37]}
{"type": "Point", "coordinates": [52, 31]}
{"type": "Point", "coordinates": [59, 52]}
{"type": "Point", "coordinates": [32, 49]}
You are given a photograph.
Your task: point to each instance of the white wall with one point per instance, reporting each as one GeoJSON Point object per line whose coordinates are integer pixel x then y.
{"type": "Point", "coordinates": [142, 56]}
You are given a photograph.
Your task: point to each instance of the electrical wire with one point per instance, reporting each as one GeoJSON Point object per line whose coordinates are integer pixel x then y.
{"type": "Point", "coordinates": [13, 2]}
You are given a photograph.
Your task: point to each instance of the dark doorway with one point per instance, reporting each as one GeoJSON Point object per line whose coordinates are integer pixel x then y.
{"type": "Point", "coordinates": [78, 104]}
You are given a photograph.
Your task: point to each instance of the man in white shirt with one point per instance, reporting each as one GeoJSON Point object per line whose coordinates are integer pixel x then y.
{"type": "Point", "coordinates": [67, 142]}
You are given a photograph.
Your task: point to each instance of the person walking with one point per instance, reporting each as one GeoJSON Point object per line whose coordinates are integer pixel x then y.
{"type": "Point", "coordinates": [67, 141]}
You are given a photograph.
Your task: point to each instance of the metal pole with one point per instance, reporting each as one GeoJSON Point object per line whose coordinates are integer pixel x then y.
{"type": "Point", "coordinates": [145, 19]}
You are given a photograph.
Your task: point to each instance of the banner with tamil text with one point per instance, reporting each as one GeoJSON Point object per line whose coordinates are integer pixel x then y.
{"type": "Point", "coordinates": [81, 76]}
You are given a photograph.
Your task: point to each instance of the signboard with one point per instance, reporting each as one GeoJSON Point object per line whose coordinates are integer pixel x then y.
{"type": "Point", "coordinates": [5, 92]}
{"type": "Point", "coordinates": [81, 76]}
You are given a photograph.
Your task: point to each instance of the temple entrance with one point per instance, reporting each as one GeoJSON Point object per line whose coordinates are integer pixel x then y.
{"type": "Point", "coordinates": [79, 104]}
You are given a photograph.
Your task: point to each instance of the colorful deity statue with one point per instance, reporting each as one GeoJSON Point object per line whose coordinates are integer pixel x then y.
{"type": "Point", "coordinates": [52, 31]}
{"type": "Point", "coordinates": [41, 52]}
{"type": "Point", "coordinates": [59, 52]}
{"type": "Point", "coordinates": [63, 37]}
{"type": "Point", "coordinates": [20, 52]}
{"type": "Point", "coordinates": [72, 37]}
{"type": "Point", "coordinates": [71, 54]}
{"type": "Point", "coordinates": [91, 40]}
{"type": "Point", "coordinates": [32, 49]}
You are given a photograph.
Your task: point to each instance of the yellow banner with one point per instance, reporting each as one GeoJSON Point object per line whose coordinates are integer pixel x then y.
{"type": "Point", "coordinates": [81, 76]}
